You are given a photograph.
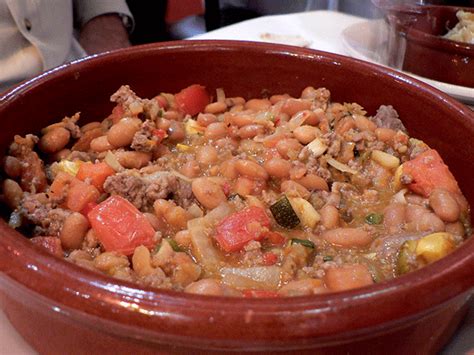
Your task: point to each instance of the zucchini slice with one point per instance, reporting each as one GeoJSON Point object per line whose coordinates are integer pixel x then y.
{"type": "Point", "coordinates": [284, 213]}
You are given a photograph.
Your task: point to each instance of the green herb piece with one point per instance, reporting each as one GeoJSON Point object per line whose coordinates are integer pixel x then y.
{"type": "Point", "coordinates": [284, 214]}
{"type": "Point", "coordinates": [327, 258]}
{"type": "Point", "coordinates": [304, 242]}
{"type": "Point", "coordinates": [374, 218]}
{"type": "Point", "coordinates": [174, 245]}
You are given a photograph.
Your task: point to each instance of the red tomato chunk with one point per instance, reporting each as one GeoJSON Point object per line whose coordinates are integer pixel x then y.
{"type": "Point", "coordinates": [120, 226]}
{"type": "Point", "coordinates": [192, 99]}
{"type": "Point", "coordinates": [240, 228]}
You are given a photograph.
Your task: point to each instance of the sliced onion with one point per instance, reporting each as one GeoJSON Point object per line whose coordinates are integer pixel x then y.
{"type": "Point", "coordinates": [112, 161]}
{"type": "Point", "coordinates": [340, 166]}
{"type": "Point", "coordinates": [203, 249]}
{"type": "Point", "coordinates": [220, 95]}
{"type": "Point", "coordinates": [399, 197]}
{"type": "Point", "coordinates": [258, 277]}
{"type": "Point", "coordinates": [297, 120]}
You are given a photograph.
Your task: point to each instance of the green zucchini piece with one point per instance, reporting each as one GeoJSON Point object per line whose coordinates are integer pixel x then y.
{"type": "Point", "coordinates": [304, 242]}
{"type": "Point", "coordinates": [284, 213]}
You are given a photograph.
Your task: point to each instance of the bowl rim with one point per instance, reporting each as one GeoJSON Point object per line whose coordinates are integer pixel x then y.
{"type": "Point", "coordinates": [114, 299]}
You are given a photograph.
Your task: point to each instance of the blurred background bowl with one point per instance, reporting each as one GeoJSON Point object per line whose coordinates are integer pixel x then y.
{"type": "Point", "coordinates": [416, 45]}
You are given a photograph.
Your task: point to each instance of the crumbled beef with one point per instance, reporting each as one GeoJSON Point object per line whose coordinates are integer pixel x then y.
{"type": "Point", "coordinates": [144, 140]}
{"type": "Point", "coordinates": [71, 126]}
{"type": "Point", "coordinates": [33, 176]}
{"type": "Point", "coordinates": [387, 117]}
{"type": "Point", "coordinates": [144, 192]}
{"type": "Point", "coordinates": [128, 186]}
{"type": "Point", "coordinates": [162, 187]}
{"type": "Point", "coordinates": [48, 220]}
{"type": "Point", "coordinates": [129, 101]}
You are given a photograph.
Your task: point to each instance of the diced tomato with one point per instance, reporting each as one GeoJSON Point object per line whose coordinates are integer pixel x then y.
{"type": "Point", "coordinates": [274, 238]}
{"type": "Point", "coordinates": [428, 172]}
{"type": "Point", "coordinates": [160, 133]}
{"type": "Point", "coordinates": [50, 244]}
{"type": "Point", "coordinates": [260, 294]}
{"type": "Point", "coordinates": [233, 232]}
{"type": "Point", "coordinates": [89, 207]}
{"type": "Point", "coordinates": [120, 226]}
{"type": "Point", "coordinates": [192, 99]}
{"type": "Point", "coordinates": [80, 194]}
{"type": "Point", "coordinates": [117, 113]}
{"type": "Point", "coordinates": [60, 183]}
{"type": "Point", "coordinates": [269, 258]}
{"type": "Point", "coordinates": [96, 173]}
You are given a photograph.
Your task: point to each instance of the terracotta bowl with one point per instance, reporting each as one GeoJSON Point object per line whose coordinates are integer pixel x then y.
{"type": "Point", "coordinates": [417, 31]}
{"type": "Point", "coordinates": [58, 307]}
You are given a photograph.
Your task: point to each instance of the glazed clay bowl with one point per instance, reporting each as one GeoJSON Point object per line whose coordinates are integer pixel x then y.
{"type": "Point", "coordinates": [60, 308]}
{"type": "Point", "coordinates": [416, 36]}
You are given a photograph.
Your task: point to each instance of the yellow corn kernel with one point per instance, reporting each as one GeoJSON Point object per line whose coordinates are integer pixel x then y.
{"type": "Point", "coordinates": [434, 246]}
{"type": "Point", "coordinates": [397, 178]}
{"type": "Point", "coordinates": [183, 147]}
{"type": "Point", "coordinates": [70, 167]}
{"type": "Point", "coordinates": [386, 160]}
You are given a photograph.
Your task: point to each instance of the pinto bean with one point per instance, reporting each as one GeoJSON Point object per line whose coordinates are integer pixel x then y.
{"type": "Point", "coordinates": [329, 216]}
{"type": "Point", "coordinates": [347, 277]}
{"type": "Point", "coordinates": [258, 104]}
{"type": "Point", "coordinates": [12, 193]}
{"type": "Point", "coordinates": [364, 124]}
{"type": "Point", "coordinates": [176, 131]}
{"type": "Point", "coordinates": [216, 130]}
{"type": "Point", "coordinates": [133, 160]}
{"type": "Point", "coordinates": [215, 107]}
{"type": "Point", "coordinates": [141, 261]}
{"type": "Point", "coordinates": [313, 182]}
{"type": "Point", "coordinates": [228, 170]}
{"type": "Point", "coordinates": [54, 140]}
{"type": "Point", "coordinates": [205, 287]}
{"type": "Point", "coordinates": [394, 216]}
{"type": "Point", "coordinates": [177, 217]}
{"type": "Point", "coordinates": [183, 238]}
{"type": "Point", "coordinates": [430, 222]}
{"type": "Point", "coordinates": [444, 205]}
{"type": "Point", "coordinates": [205, 119]}
{"type": "Point", "coordinates": [207, 192]}
{"type": "Point", "coordinates": [191, 169]}
{"type": "Point", "coordinates": [292, 188]}
{"type": "Point", "coordinates": [292, 106]}
{"type": "Point", "coordinates": [100, 144]}
{"type": "Point", "coordinates": [74, 230]}
{"type": "Point", "coordinates": [12, 166]}
{"type": "Point", "coordinates": [347, 237]}
{"type": "Point", "coordinates": [83, 144]}
{"type": "Point", "coordinates": [287, 147]}
{"type": "Point", "coordinates": [251, 170]}
{"type": "Point", "coordinates": [121, 134]}
{"type": "Point", "coordinates": [206, 154]}
{"type": "Point", "coordinates": [277, 98]}
{"type": "Point", "coordinates": [305, 134]}
{"type": "Point", "coordinates": [244, 186]}
{"type": "Point", "coordinates": [301, 287]}
{"type": "Point", "coordinates": [89, 126]}
{"type": "Point", "coordinates": [277, 167]}
{"type": "Point", "coordinates": [384, 134]}
{"type": "Point", "coordinates": [250, 131]}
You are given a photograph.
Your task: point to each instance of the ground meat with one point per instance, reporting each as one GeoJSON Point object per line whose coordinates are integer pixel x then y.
{"type": "Point", "coordinates": [71, 126]}
{"type": "Point", "coordinates": [162, 187]}
{"type": "Point", "coordinates": [127, 98]}
{"type": "Point", "coordinates": [128, 186]}
{"type": "Point", "coordinates": [144, 140]}
{"type": "Point", "coordinates": [387, 117]}
{"type": "Point", "coordinates": [144, 192]}
{"type": "Point", "coordinates": [48, 220]}
{"type": "Point", "coordinates": [33, 176]}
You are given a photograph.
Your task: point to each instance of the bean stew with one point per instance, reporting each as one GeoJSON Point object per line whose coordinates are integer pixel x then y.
{"type": "Point", "coordinates": [262, 197]}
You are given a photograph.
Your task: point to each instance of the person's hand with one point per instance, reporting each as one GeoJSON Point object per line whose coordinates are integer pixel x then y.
{"type": "Point", "coordinates": [103, 33]}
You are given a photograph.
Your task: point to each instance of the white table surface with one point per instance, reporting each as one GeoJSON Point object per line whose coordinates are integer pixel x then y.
{"type": "Point", "coordinates": [324, 30]}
